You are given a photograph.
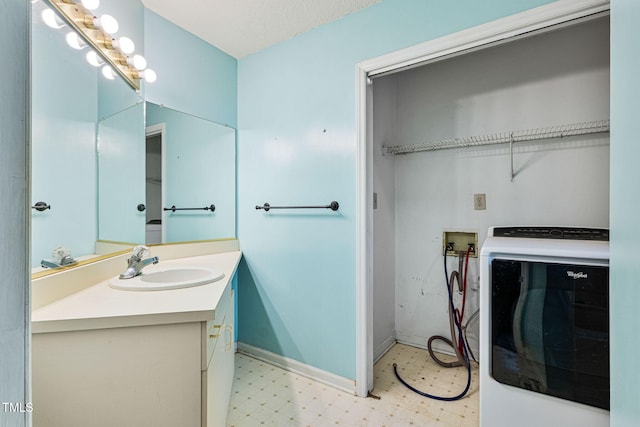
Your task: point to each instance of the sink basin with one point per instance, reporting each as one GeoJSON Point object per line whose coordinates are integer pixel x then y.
{"type": "Point", "coordinates": [170, 278]}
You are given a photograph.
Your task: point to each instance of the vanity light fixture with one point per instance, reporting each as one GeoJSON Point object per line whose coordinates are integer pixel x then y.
{"type": "Point", "coordinates": [148, 75]}
{"type": "Point", "coordinates": [88, 4]}
{"type": "Point", "coordinates": [106, 23]}
{"type": "Point", "coordinates": [94, 59]}
{"type": "Point", "coordinates": [97, 32]}
{"type": "Point", "coordinates": [125, 44]}
{"type": "Point", "coordinates": [51, 19]}
{"type": "Point", "coordinates": [108, 72]}
{"type": "Point", "coordinates": [75, 41]}
{"type": "Point", "coordinates": [137, 61]}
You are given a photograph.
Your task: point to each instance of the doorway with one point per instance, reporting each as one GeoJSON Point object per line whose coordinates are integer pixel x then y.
{"type": "Point", "coordinates": [154, 184]}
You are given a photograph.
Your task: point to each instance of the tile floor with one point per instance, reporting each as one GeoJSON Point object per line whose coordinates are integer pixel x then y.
{"type": "Point", "coordinates": [264, 395]}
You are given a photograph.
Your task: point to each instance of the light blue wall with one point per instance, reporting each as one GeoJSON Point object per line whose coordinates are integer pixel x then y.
{"type": "Point", "coordinates": [193, 76]}
{"type": "Point", "coordinates": [625, 230]}
{"type": "Point", "coordinates": [296, 121]}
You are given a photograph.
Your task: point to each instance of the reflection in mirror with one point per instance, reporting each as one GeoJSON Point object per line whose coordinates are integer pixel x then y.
{"type": "Point", "coordinates": [154, 233]}
{"type": "Point", "coordinates": [199, 170]}
{"type": "Point", "coordinates": [76, 113]}
{"type": "Point", "coordinates": [194, 169]}
{"type": "Point", "coordinates": [64, 113]}
{"type": "Point", "coordinates": [68, 97]}
{"type": "Point", "coordinates": [121, 173]}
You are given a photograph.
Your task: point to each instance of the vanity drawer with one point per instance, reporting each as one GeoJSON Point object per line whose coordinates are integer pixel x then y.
{"type": "Point", "coordinates": [216, 329]}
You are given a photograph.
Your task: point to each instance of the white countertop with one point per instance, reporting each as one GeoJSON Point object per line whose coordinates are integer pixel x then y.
{"type": "Point", "coordinates": [100, 306]}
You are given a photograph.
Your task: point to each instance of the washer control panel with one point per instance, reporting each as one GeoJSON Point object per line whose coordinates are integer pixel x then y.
{"type": "Point", "coordinates": [567, 233]}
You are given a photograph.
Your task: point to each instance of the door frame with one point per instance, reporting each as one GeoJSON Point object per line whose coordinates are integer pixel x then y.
{"type": "Point", "coordinates": [543, 18]}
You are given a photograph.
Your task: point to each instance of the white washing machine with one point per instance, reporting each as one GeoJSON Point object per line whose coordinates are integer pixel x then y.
{"type": "Point", "coordinates": [544, 327]}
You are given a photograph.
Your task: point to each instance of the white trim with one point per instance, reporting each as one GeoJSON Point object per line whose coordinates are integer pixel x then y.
{"type": "Point", "coordinates": [154, 129]}
{"type": "Point", "coordinates": [540, 18]}
{"type": "Point", "coordinates": [308, 371]}
{"type": "Point", "coordinates": [421, 342]}
{"type": "Point", "coordinates": [559, 12]}
{"type": "Point", "coordinates": [383, 348]}
{"type": "Point", "coordinates": [364, 323]}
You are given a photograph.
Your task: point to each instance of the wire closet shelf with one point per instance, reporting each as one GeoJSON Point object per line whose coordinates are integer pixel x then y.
{"type": "Point", "coordinates": [560, 131]}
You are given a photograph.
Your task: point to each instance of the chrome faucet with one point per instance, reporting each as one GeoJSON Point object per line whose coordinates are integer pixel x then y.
{"type": "Point", "coordinates": [137, 263]}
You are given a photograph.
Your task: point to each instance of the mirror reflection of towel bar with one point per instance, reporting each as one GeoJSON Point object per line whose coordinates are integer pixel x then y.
{"type": "Point", "coordinates": [333, 206]}
{"type": "Point", "coordinates": [173, 208]}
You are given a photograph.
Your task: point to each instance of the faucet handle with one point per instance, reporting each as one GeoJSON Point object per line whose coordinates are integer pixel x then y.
{"type": "Point", "coordinates": [140, 251]}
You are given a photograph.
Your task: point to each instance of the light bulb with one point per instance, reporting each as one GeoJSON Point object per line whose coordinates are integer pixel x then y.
{"type": "Point", "coordinates": [94, 59]}
{"type": "Point", "coordinates": [125, 44]}
{"type": "Point", "coordinates": [51, 19]}
{"type": "Point", "coordinates": [106, 23]}
{"type": "Point", "coordinates": [148, 75]}
{"type": "Point", "coordinates": [91, 4]}
{"type": "Point", "coordinates": [138, 62]}
{"type": "Point", "coordinates": [108, 72]}
{"type": "Point", "coordinates": [74, 40]}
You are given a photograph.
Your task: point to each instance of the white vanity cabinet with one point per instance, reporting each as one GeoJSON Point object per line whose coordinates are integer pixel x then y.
{"type": "Point", "coordinates": [217, 378]}
{"type": "Point", "coordinates": [137, 376]}
{"type": "Point", "coordinates": [164, 373]}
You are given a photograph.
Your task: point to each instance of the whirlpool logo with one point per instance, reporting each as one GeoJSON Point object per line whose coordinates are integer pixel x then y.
{"type": "Point", "coordinates": [577, 275]}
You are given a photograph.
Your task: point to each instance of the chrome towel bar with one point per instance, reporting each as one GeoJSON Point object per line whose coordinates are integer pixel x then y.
{"type": "Point", "coordinates": [333, 206]}
{"type": "Point", "coordinates": [173, 208]}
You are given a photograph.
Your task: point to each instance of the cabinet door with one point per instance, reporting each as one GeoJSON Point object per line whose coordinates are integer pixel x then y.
{"type": "Point", "coordinates": [220, 373]}
{"type": "Point", "coordinates": [216, 328]}
{"type": "Point", "coordinates": [147, 376]}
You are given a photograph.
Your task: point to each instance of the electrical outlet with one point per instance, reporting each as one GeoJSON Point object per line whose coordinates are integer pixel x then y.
{"type": "Point", "coordinates": [480, 202]}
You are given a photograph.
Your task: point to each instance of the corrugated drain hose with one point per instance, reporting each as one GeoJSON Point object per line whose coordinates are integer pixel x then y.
{"type": "Point", "coordinates": [462, 286]}
{"type": "Point", "coordinates": [456, 348]}
{"type": "Point", "coordinates": [462, 358]}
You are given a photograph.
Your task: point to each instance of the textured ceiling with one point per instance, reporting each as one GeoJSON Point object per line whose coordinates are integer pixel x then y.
{"type": "Point", "coordinates": [242, 27]}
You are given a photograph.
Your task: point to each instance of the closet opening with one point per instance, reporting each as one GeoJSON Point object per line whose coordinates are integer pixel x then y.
{"type": "Point", "coordinates": [469, 135]}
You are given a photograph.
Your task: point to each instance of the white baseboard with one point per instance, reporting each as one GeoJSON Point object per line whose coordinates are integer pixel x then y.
{"type": "Point", "coordinates": [421, 342]}
{"type": "Point", "coordinates": [383, 348]}
{"type": "Point", "coordinates": [341, 383]}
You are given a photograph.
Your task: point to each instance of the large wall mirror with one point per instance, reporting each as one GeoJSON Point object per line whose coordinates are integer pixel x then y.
{"type": "Point", "coordinates": [172, 180]}
{"type": "Point", "coordinates": [107, 163]}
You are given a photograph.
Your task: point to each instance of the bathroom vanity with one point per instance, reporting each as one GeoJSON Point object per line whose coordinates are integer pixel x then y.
{"type": "Point", "coordinates": [111, 357]}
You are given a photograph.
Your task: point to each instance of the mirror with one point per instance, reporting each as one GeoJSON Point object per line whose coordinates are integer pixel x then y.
{"type": "Point", "coordinates": [177, 186]}
{"type": "Point", "coordinates": [88, 153]}
{"type": "Point", "coordinates": [199, 173]}
{"type": "Point", "coordinates": [64, 112]}
{"type": "Point", "coordinates": [121, 175]}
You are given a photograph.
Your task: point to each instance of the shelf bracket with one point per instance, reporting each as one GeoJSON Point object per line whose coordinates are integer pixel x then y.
{"type": "Point", "coordinates": [511, 155]}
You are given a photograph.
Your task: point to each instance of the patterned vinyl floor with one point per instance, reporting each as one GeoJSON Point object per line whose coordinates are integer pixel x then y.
{"type": "Point", "coordinates": [265, 395]}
